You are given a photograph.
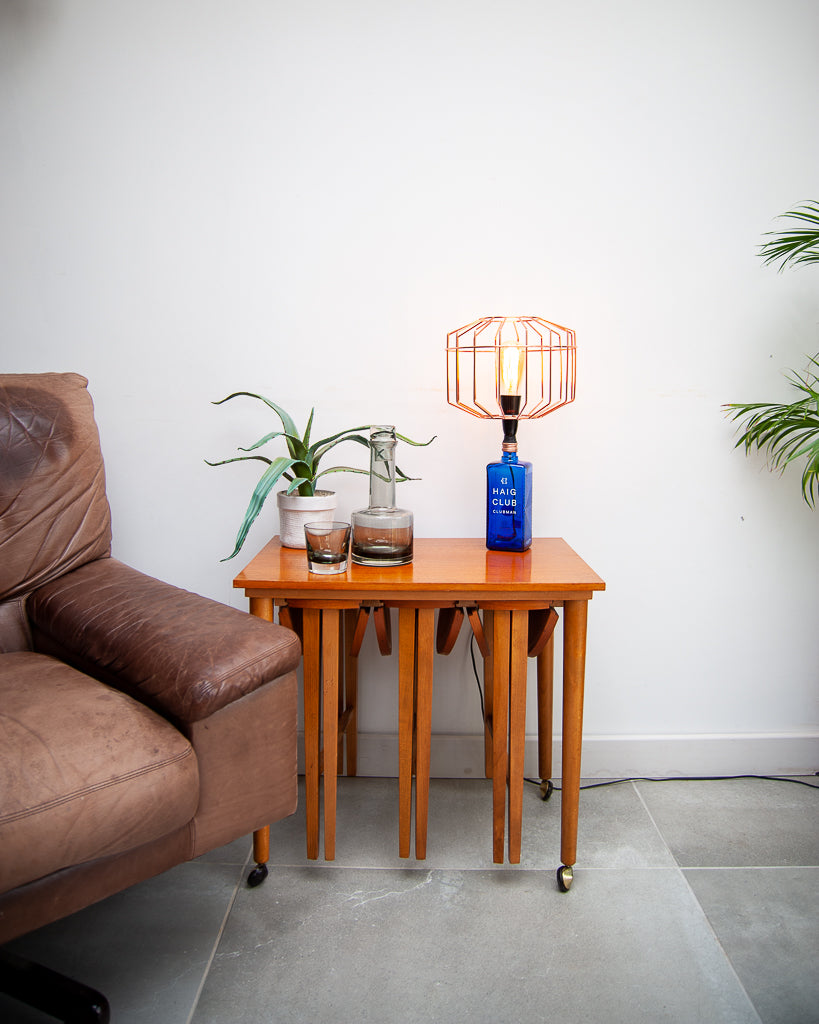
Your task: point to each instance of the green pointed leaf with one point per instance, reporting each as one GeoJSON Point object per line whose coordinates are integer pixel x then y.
{"type": "Point", "coordinates": [794, 246]}
{"type": "Point", "coordinates": [343, 469]}
{"type": "Point", "coordinates": [266, 483]}
{"type": "Point", "coordinates": [270, 437]}
{"type": "Point", "coordinates": [417, 444]}
{"type": "Point", "coordinates": [288, 423]}
{"type": "Point", "coordinates": [240, 458]}
{"type": "Point", "coordinates": [308, 428]}
{"type": "Point", "coordinates": [319, 448]}
{"type": "Point", "coordinates": [300, 482]}
{"type": "Point", "coordinates": [785, 432]}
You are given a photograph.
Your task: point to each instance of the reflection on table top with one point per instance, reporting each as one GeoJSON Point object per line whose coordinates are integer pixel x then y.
{"type": "Point", "coordinates": [461, 568]}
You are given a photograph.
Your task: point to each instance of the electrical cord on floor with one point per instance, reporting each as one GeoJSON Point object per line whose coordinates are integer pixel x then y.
{"type": "Point", "coordinates": [688, 778]}
{"type": "Point", "coordinates": [670, 778]}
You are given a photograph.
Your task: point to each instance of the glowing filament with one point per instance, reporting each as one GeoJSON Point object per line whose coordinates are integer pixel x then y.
{"type": "Point", "coordinates": [511, 361]}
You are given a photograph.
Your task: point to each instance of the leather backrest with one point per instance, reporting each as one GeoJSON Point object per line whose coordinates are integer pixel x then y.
{"type": "Point", "coordinates": [54, 514]}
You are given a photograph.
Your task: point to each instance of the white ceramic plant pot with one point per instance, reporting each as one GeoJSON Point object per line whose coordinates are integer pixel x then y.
{"type": "Point", "coordinates": [295, 510]}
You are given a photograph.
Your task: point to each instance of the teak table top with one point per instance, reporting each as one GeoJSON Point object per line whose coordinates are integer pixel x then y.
{"type": "Point", "coordinates": [441, 568]}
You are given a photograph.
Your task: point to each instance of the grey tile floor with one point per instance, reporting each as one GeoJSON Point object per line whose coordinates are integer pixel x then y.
{"type": "Point", "coordinates": [692, 902]}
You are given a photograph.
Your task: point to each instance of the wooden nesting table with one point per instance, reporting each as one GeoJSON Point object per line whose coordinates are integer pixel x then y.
{"type": "Point", "coordinates": [509, 600]}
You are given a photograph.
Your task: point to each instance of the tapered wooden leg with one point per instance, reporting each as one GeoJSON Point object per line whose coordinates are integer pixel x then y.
{"type": "Point", "coordinates": [517, 728]}
{"type": "Point", "coordinates": [312, 732]}
{"type": "Point", "coordinates": [329, 665]}
{"type": "Point", "coordinates": [545, 707]}
{"type": "Point", "coordinates": [406, 721]}
{"type": "Point", "coordinates": [351, 690]}
{"type": "Point", "coordinates": [500, 727]}
{"type": "Point", "coordinates": [261, 845]}
{"type": "Point", "coordinates": [423, 724]}
{"type": "Point", "coordinates": [488, 694]}
{"type": "Point", "coordinates": [574, 667]}
{"type": "Point", "coordinates": [341, 718]}
{"type": "Point", "coordinates": [262, 608]}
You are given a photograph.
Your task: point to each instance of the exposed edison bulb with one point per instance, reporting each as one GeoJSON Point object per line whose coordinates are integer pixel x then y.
{"type": "Point", "coordinates": [510, 375]}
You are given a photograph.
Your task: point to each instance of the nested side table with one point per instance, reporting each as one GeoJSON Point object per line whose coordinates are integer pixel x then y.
{"type": "Point", "coordinates": [509, 600]}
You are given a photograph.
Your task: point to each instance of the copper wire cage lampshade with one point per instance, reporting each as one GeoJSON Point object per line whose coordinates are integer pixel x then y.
{"type": "Point", "coordinates": [519, 356]}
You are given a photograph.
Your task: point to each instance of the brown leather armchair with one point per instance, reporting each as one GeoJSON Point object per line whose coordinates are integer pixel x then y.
{"type": "Point", "coordinates": [140, 725]}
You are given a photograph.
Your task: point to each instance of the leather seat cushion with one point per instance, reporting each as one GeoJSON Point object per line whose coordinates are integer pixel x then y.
{"type": "Point", "coordinates": [85, 771]}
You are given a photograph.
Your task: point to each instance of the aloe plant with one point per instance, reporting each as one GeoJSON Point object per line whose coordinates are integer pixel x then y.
{"type": "Point", "coordinates": [300, 468]}
{"type": "Point", "coordinates": [787, 432]}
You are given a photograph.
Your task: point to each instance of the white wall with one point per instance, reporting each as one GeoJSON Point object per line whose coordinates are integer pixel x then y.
{"type": "Point", "coordinates": [301, 199]}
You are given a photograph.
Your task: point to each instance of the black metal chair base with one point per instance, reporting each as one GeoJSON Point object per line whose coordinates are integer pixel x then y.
{"type": "Point", "coordinates": [63, 998]}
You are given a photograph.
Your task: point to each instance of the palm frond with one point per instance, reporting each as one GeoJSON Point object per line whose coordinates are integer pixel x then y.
{"type": "Point", "coordinates": [795, 246]}
{"type": "Point", "coordinates": [785, 432]}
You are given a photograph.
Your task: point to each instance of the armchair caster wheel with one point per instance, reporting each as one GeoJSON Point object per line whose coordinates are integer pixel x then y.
{"type": "Point", "coordinates": [257, 876]}
{"type": "Point", "coordinates": [565, 877]}
{"type": "Point", "coordinates": [546, 788]}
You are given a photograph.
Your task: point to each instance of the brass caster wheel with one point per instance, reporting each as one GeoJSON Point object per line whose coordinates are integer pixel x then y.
{"type": "Point", "coordinates": [257, 876]}
{"type": "Point", "coordinates": [546, 788]}
{"type": "Point", "coordinates": [565, 877]}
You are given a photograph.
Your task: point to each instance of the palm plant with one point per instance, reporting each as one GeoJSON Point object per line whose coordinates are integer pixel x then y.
{"type": "Point", "coordinates": [795, 246]}
{"type": "Point", "coordinates": [786, 432]}
{"type": "Point", "coordinates": [300, 468]}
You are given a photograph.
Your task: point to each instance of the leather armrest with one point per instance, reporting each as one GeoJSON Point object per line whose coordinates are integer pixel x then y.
{"type": "Point", "coordinates": [182, 654]}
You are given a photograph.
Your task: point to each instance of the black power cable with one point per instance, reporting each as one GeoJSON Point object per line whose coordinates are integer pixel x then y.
{"type": "Point", "coordinates": [688, 778]}
{"type": "Point", "coordinates": [670, 778]}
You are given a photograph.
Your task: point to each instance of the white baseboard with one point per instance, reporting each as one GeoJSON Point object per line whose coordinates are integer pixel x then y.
{"type": "Point", "coordinates": [613, 757]}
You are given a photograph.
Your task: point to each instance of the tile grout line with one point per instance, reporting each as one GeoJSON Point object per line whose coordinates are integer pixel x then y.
{"type": "Point", "coordinates": [653, 821]}
{"type": "Point", "coordinates": [219, 933]}
{"type": "Point", "coordinates": [750, 867]}
{"type": "Point", "coordinates": [681, 872]}
{"type": "Point", "coordinates": [720, 946]}
{"type": "Point", "coordinates": [494, 869]}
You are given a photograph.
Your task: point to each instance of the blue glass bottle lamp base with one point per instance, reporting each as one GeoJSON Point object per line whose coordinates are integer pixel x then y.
{"type": "Point", "coordinates": [509, 504]}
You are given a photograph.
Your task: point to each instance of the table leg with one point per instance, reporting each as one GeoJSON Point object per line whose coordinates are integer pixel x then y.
{"type": "Point", "coordinates": [329, 668]}
{"type": "Point", "coordinates": [351, 691]}
{"type": "Point", "coordinates": [488, 694]}
{"type": "Point", "coordinates": [518, 662]}
{"type": "Point", "coordinates": [575, 616]}
{"type": "Point", "coordinates": [424, 648]}
{"type": "Point", "coordinates": [500, 727]}
{"type": "Point", "coordinates": [312, 732]}
{"type": "Point", "coordinates": [261, 845]}
{"type": "Point", "coordinates": [406, 722]}
{"type": "Point", "coordinates": [545, 708]}
{"type": "Point", "coordinates": [341, 718]}
{"type": "Point", "coordinates": [262, 608]}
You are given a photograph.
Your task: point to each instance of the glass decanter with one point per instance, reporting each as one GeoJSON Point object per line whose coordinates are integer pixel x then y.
{"type": "Point", "coordinates": [382, 533]}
